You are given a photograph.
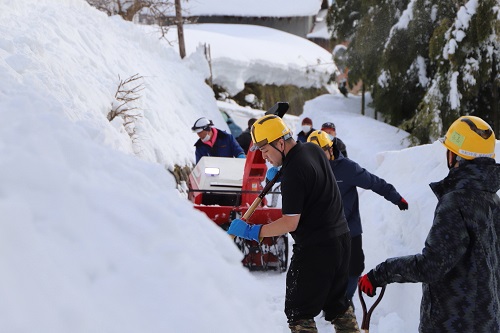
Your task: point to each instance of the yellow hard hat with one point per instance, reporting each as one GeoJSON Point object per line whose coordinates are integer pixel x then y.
{"type": "Point", "coordinates": [320, 138]}
{"type": "Point", "coordinates": [267, 129]}
{"type": "Point", "coordinates": [470, 137]}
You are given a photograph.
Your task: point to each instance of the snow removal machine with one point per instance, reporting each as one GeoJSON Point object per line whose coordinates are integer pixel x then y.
{"type": "Point", "coordinates": [229, 188]}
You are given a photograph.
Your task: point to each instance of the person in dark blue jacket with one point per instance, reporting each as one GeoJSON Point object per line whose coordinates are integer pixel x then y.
{"type": "Point", "coordinates": [214, 142]}
{"type": "Point", "coordinates": [350, 175]}
{"type": "Point", "coordinates": [307, 129]}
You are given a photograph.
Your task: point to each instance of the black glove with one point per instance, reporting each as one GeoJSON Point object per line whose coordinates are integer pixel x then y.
{"type": "Point", "coordinates": [402, 204]}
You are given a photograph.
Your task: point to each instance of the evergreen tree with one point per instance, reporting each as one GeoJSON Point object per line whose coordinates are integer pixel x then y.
{"type": "Point", "coordinates": [426, 62]}
{"type": "Point", "coordinates": [342, 18]}
{"type": "Point", "coordinates": [466, 55]}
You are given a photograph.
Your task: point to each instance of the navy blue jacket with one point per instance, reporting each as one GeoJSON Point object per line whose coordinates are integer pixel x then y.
{"type": "Point", "coordinates": [302, 137]}
{"type": "Point", "coordinates": [351, 175]}
{"type": "Point", "coordinates": [225, 145]}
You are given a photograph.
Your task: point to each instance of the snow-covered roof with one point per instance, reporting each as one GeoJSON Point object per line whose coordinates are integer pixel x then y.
{"type": "Point", "coordinates": [258, 8]}
{"type": "Point", "coordinates": [320, 29]}
{"type": "Point", "coordinates": [246, 53]}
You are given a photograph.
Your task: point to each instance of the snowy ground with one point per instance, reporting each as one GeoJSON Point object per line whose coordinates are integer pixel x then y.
{"type": "Point", "coordinates": [94, 235]}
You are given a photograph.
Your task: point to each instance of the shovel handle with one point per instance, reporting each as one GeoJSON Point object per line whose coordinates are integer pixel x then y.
{"type": "Point", "coordinates": [261, 196]}
{"type": "Point", "coordinates": [365, 325]}
{"type": "Point", "coordinates": [258, 200]}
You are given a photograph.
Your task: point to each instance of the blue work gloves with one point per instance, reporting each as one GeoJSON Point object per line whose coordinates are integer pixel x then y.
{"type": "Point", "coordinates": [242, 155]}
{"type": "Point", "coordinates": [271, 173]}
{"type": "Point", "coordinates": [244, 230]}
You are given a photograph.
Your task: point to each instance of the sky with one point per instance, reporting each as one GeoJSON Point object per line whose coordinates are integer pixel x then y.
{"type": "Point", "coordinates": [95, 236]}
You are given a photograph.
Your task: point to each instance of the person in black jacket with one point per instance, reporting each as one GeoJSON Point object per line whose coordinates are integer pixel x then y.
{"type": "Point", "coordinates": [459, 266]}
{"type": "Point", "coordinates": [244, 139]}
{"type": "Point", "coordinates": [330, 129]}
{"type": "Point", "coordinates": [350, 175]}
{"type": "Point", "coordinates": [313, 214]}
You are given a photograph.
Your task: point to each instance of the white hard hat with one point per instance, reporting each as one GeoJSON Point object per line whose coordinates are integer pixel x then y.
{"type": "Point", "coordinates": [202, 124]}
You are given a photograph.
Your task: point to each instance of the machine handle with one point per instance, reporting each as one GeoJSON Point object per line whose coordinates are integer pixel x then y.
{"type": "Point", "coordinates": [261, 196]}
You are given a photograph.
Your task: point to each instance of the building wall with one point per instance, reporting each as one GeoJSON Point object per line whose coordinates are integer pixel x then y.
{"type": "Point", "coordinates": [299, 26]}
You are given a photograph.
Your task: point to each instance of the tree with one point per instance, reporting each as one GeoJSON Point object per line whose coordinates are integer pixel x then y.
{"type": "Point", "coordinates": [366, 25]}
{"type": "Point", "coordinates": [404, 69]}
{"type": "Point", "coordinates": [127, 9]}
{"type": "Point", "coordinates": [161, 12]}
{"type": "Point", "coordinates": [466, 49]}
{"type": "Point", "coordinates": [180, 28]}
{"type": "Point", "coordinates": [342, 19]}
{"type": "Point", "coordinates": [436, 61]}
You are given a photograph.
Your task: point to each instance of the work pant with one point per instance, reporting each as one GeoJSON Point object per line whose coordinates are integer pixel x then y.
{"type": "Point", "coordinates": [317, 280]}
{"type": "Point", "coordinates": [356, 265]}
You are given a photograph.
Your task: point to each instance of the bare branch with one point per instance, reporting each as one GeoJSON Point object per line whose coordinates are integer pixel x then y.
{"type": "Point", "coordinates": [125, 96]}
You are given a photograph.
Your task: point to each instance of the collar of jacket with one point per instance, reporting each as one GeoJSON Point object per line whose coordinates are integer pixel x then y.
{"type": "Point", "coordinates": [481, 174]}
{"type": "Point", "coordinates": [220, 134]}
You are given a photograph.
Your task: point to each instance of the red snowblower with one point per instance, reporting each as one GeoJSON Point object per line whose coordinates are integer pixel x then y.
{"type": "Point", "coordinates": [229, 188]}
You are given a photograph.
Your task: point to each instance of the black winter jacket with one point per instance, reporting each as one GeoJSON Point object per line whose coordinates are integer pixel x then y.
{"type": "Point", "coordinates": [245, 139]}
{"type": "Point", "coordinates": [460, 264]}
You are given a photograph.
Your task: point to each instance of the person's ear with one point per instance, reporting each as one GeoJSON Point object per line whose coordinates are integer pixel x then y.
{"type": "Point", "coordinates": [283, 144]}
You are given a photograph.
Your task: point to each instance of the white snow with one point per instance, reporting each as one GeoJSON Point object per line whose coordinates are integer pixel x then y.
{"type": "Point", "coordinates": [320, 29]}
{"type": "Point", "coordinates": [422, 71]}
{"type": "Point", "coordinates": [454, 92]}
{"type": "Point", "coordinates": [94, 235]}
{"type": "Point", "coordinates": [457, 33]}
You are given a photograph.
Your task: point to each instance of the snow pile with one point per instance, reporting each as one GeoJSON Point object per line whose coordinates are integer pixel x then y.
{"type": "Point", "coordinates": [93, 238]}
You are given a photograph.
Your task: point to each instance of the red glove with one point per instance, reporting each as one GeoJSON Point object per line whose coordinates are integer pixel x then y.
{"type": "Point", "coordinates": [403, 205]}
{"type": "Point", "coordinates": [366, 286]}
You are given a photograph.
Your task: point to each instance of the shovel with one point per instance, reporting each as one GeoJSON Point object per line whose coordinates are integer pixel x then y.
{"type": "Point", "coordinates": [365, 325]}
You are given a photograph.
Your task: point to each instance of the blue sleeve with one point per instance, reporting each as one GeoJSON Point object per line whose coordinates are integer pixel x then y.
{"type": "Point", "coordinates": [198, 156]}
{"type": "Point", "coordinates": [364, 179]}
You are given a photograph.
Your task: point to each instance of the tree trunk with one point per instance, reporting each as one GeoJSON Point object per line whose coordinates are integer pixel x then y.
{"type": "Point", "coordinates": [129, 14]}
{"type": "Point", "coordinates": [495, 109]}
{"type": "Point", "coordinates": [363, 99]}
{"type": "Point", "coordinates": [180, 29]}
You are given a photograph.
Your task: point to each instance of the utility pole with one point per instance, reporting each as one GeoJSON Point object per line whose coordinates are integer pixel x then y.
{"type": "Point", "coordinates": [180, 29]}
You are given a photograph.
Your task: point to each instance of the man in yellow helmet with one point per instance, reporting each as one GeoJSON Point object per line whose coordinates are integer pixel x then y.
{"type": "Point", "coordinates": [350, 175]}
{"type": "Point", "coordinates": [314, 216]}
{"type": "Point", "coordinates": [459, 266]}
